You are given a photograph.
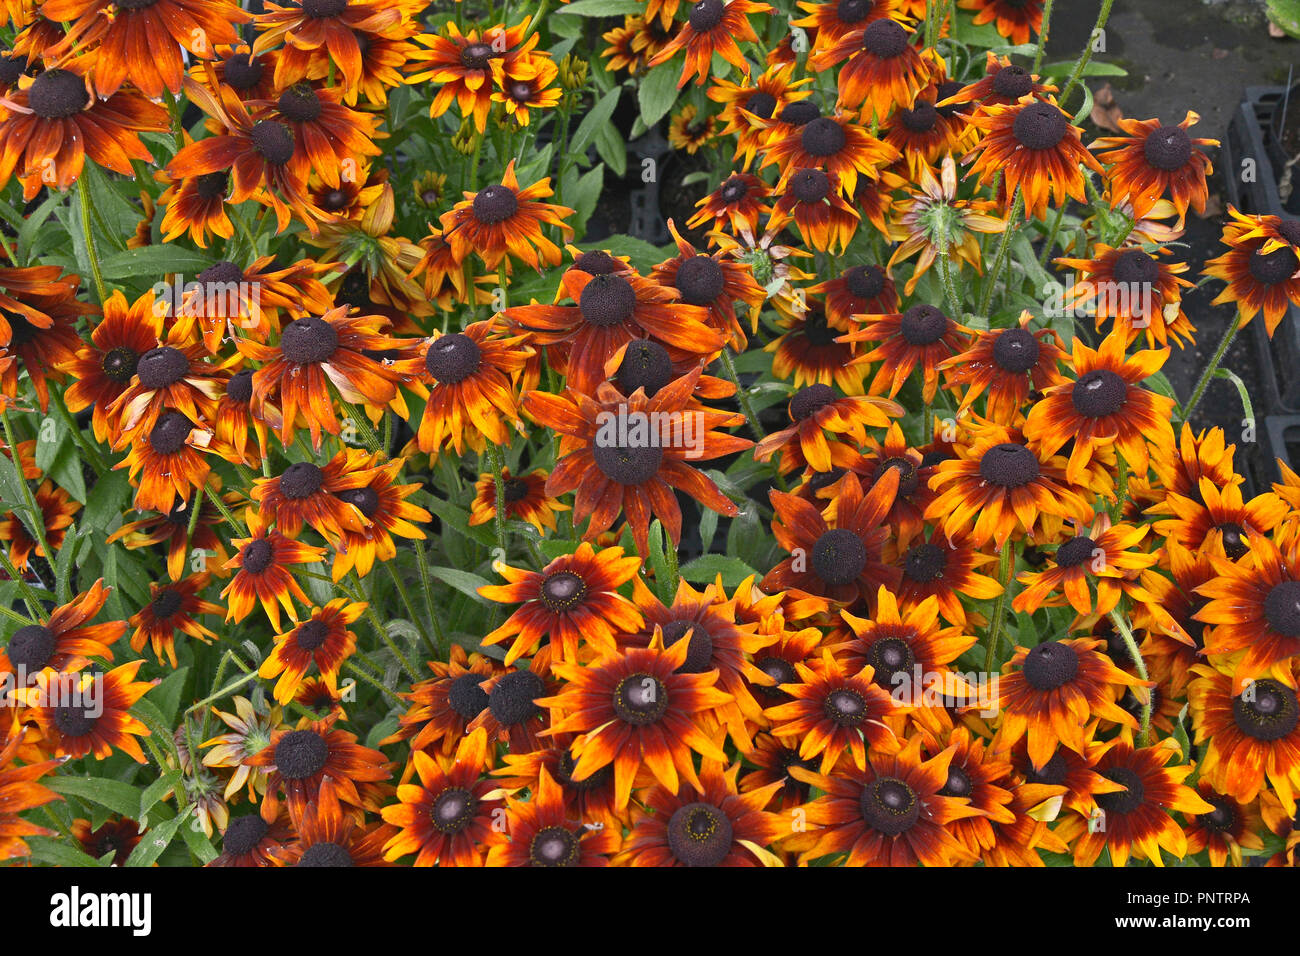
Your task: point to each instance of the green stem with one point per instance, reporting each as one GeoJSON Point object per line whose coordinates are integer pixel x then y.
{"type": "Point", "coordinates": [29, 499]}
{"type": "Point", "coordinates": [499, 517]}
{"type": "Point", "coordinates": [30, 597]}
{"type": "Point", "coordinates": [1102, 16]}
{"type": "Point", "coordinates": [384, 636]}
{"type": "Point", "coordinates": [221, 506]}
{"type": "Point", "coordinates": [15, 616]}
{"type": "Point", "coordinates": [91, 453]}
{"type": "Point", "coordinates": [1042, 35]}
{"type": "Point", "coordinates": [83, 191]}
{"type": "Point", "coordinates": [383, 689]}
{"type": "Point", "coordinates": [1051, 237]}
{"type": "Point", "coordinates": [746, 406]}
{"type": "Point", "coordinates": [949, 288]}
{"type": "Point", "coordinates": [1004, 245]}
{"type": "Point", "coordinates": [427, 586]}
{"type": "Point", "coordinates": [1006, 566]}
{"type": "Point", "coordinates": [1185, 412]}
{"type": "Point", "coordinates": [1121, 485]}
{"type": "Point", "coordinates": [1131, 644]}
{"type": "Point", "coordinates": [410, 608]}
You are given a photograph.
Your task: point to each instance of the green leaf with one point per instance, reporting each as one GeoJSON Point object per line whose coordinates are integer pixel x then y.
{"type": "Point", "coordinates": [168, 783]}
{"type": "Point", "coordinates": [153, 843]}
{"type": "Point", "coordinates": [117, 796]}
{"type": "Point", "coordinates": [463, 581]}
{"type": "Point", "coordinates": [104, 505]}
{"type": "Point", "coordinates": [199, 845]}
{"type": "Point", "coordinates": [708, 528]}
{"type": "Point", "coordinates": [586, 194]}
{"type": "Point", "coordinates": [64, 466]}
{"type": "Point", "coordinates": [704, 569]}
{"type": "Point", "coordinates": [1091, 68]}
{"type": "Point", "coordinates": [599, 116]}
{"type": "Point", "coordinates": [658, 92]}
{"type": "Point", "coordinates": [59, 851]}
{"type": "Point", "coordinates": [612, 149]}
{"type": "Point", "coordinates": [1286, 14]}
{"type": "Point", "coordinates": [166, 694]}
{"type": "Point", "coordinates": [154, 263]}
{"type": "Point", "coordinates": [63, 561]}
{"type": "Point", "coordinates": [659, 562]}
{"type": "Point", "coordinates": [602, 8]}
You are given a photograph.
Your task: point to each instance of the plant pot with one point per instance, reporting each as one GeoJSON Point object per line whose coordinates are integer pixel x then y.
{"type": "Point", "coordinates": [1253, 134]}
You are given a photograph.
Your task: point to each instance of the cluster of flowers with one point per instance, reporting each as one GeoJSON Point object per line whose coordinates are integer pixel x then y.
{"type": "Point", "coordinates": [1024, 621]}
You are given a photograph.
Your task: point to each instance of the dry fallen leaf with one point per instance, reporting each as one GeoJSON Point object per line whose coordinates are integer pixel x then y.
{"type": "Point", "coordinates": [1106, 113]}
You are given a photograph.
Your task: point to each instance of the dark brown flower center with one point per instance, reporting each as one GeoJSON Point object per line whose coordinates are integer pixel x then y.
{"type": "Point", "coordinates": [452, 810]}
{"type": "Point", "coordinates": [312, 634]}
{"type": "Point", "coordinates": [301, 480]}
{"type": "Point", "coordinates": [923, 325]}
{"type": "Point", "coordinates": [161, 367]}
{"type": "Point", "coordinates": [256, 556]}
{"type": "Point", "coordinates": [325, 854]}
{"type": "Point", "coordinates": [364, 499]}
{"type": "Point", "coordinates": [1016, 350]}
{"type": "Point", "coordinates": [807, 401]}
{"type": "Point", "coordinates": [1282, 608]}
{"type": "Point", "coordinates": [1168, 148]}
{"type": "Point", "coordinates": [324, 9]}
{"type": "Point", "coordinates": [733, 190]}
{"type": "Point", "coordinates": [520, 91]}
{"type": "Point", "coordinates": [920, 118]}
{"type": "Point", "coordinates": [958, 783]}
{"type": "Point", "coordinates": [513, 698]}
{"type": "Point", "coordinates": [1075, 551]}
{"type": "Point", "coordinates": [838, 557]}
{"type": "Point", "coordinates": [925, 563]}
{"type": "Point", "coordinates": [477, 56]}
{"type": "Point", "coordinates": [646, 365]}
{"type": "Point", "coordinates": [815, 328]}
{"type": "Point", "coordinates": [1040, 125]}
{"type": "Point", "coordinates": [1051, 665]}
{"type": "Point", "coordinates": [1125, 801]}
{"type": "Point", "coordinates": [597, 263]}
{"type": "Point", "coordinates": [466, 697]}
{"type": "Point", "coordinates": [884, 39]}
{"type": "Point", "coordinates": [495, 204]}
{"type": "Point", "coordinates": [243, 834]}
{"type": "Point", "coordinates": [1134, 267]}
{"type": "Point", "coordinates": [607, 300]}
{"type": "Point", "coordinates": [810, 185]}
{"type": "Point", "coordinates": [1009, 465]}
{"type": "Point", "coordinates": [210, 186]}
{"type": "Point", "coordinates": [31, 647]}
{"type": "Point", "coordinates": [1012, 82]}
{"type": "Point", "coordinates": [1270, 268]}
{"type": "Point", "coordinates": [301, 754]}
{"type": "Point", "coordinates": [908, 479]}
{"type": "Point", "coordinates": [888, 657]}
{"type": "Point", "coordinates": [120, 364]}
{"type": "Point", "coordinates": [1223, 818]}
{"type": "Point", "coordinates": [947, 89]}
{"type": "Point", "coordinates": [889, 805]}
{"type": "Point", "coordinates": [781, 671]}
{"type": "Point", "coordinates": [300, 103]}
{"type": "Point", "coordinates": [699, 834]}
{"type": "Point", "coordinates": [452, 358]}
{"type": "Point", "coordinates": [562, 591]}
{"type": "Point", "coordinates": [706, 15]}
{"type": "Point", "coordinates": [850, 12]}
{"type": "Point", "coordinates": [332, 200]}
{"type": "Point", "coordinates": [273, 140]}
{"type": "Point", "coordinates": [1099, 393]}
{"type": "Point", "coordinates": [865, 282]}
{"type": "Point", "coordinates": [823, 137]}
{"type": "Point", "coordinates": [1266, 710]}
{"type": "Point", "coordinates": [800, 113]}
{"type": "Point", "coordinates": [11, 67]}
{"type": "Point", "coordinates": [57, 94]}
{"type": "Point", "coordinates": [761, 104]}
{"type": "Point", "coordinates": [75, 720]}
{"type": "Point", "coordinates": [1234, 539]}
{"type": "Point", "coordinates": [553, 846]}
{"type": "Point", "coordinates": [167, 603]}
{"type": "Point", "coordinates": [700, 280]}
{"type": "Point", "coordinates": [1289, 229]}
{"type": "Point", "coordinates": [640, 699]}
{"type": "Point", "coordinates": [168, 435]}
{"type": "Point", "coordinates": [628, 466]}
{"type": "Point", "coordinates": [243, 72]}
{"type": "Point", "coordinates": [699, 652]}
{"type": "Point", "coordinates": [308, 341]}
